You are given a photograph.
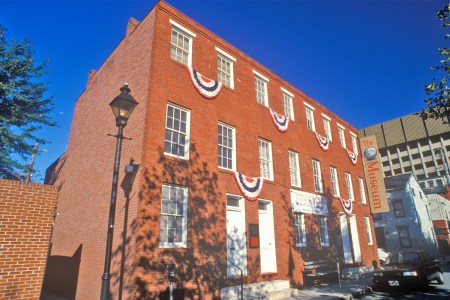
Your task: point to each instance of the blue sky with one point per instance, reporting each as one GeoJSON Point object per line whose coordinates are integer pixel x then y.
{"type": "Point", "coordinates": [366, 61]}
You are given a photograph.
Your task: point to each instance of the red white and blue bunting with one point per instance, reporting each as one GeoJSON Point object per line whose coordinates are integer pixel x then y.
{"type": "Point", "coordinates": [347, 205]}
{"type": "Point", "coordinates": [250, 186]}
{"type": "Point", "coordinates": [208, 88]}
{"type": "Point", "coordinates": [353, 157]}
{"type": "Point", "coordinates": [281, 121]}
{"type": "Point", "coordinates": [324, 143]}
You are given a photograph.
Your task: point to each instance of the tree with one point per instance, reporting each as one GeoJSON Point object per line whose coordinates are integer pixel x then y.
{"type": "Point", "coordinates": [23, 107]}
{"type": "Point", "coordinates": [438, 91]}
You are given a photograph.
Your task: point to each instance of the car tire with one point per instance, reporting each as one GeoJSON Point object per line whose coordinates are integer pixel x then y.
{"type": "Point", "coordinates": [440, 278]}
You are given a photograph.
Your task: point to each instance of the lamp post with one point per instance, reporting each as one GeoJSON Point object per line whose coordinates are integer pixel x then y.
{"type": "Point", "coordinates": [122, 107]}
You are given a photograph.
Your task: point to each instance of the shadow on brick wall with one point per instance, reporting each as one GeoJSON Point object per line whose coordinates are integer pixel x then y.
{"type": "Point", "coordinates": [61, 275]}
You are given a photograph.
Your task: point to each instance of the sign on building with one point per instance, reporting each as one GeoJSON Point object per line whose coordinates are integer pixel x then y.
{"type": "Point", "coordinates": [309, 203]}
{"type": "Point", "coordinates": [374, 175]}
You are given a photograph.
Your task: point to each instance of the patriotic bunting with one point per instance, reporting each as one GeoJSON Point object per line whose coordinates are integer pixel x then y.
{"type": "Point", "coordinates": [347, 205]}
{"type": "Point", "coordinates": [353, 157]}
{"type": "Point", "coordinates": [208, 88]}
{"type": "Point", "coordinates": [282, 122]}
{"type": "Point", "coordinates": [324, 143]}
{"type": "Point", "coordinates": [249, 186]}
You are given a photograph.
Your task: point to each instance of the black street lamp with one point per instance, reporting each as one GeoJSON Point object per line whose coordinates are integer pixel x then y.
{"type": "Point", "coordinates": [122, 107]}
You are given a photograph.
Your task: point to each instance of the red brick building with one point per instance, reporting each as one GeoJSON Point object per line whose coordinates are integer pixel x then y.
{"type": "Point", "coordinates": [183, 201]}
{"type": "Point", "coordinates": [26, 216]}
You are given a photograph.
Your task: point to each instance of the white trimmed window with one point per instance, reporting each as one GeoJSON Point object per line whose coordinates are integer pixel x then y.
{"type": "Point", "coordinates": [362, 191]}
{"type": "Point", "coordinates": [354, 142]}
{"type": "Point", "coordinates": [368, 230]}
{"type": "Point", "coordinates": [341, 132]}
{"type": "Point", "coordinates": [265, 159]}
{"type": "Point", "coordinates": [334, 181]}
{"type": "Point", "coordinates": [181, 44]}
{"type": "Point", "coordinates": [323, 231]}
{"type": "Point", "coordinates": [349, 184]}
{"type": "Point", "coordinates": [317, 176]}
{"type": "Point", "coordinates": [261, 89]}
{"type": "Point", "coordinates": [300, 230]}
{"type": "Point", "coordinates": [225, 70]}
{"type": "Point", "coordinates": [294, 169]}
{"type": "Point", "coordinates": [227, 146]}
{"type": "Point", "coordinates": [177, 131]}
{"type": "Point", "coordinates": [173, 224]}
{"type": "Point", "coordinates": [310, 117]}
{"type": "Point", "coordinates": [327, 127]}
{"type": "Point", "coordinates": [288, 106]}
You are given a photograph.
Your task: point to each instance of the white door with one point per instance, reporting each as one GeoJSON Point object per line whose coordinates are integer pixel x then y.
{"type": "Point", "coordinates": [345, 239]}
{"type": "Point", "coordinates": [267, 249]}
{"type": "Point", "coordinates": [236, 238]}
{"type": "Point", "coordinates": [355, 239]}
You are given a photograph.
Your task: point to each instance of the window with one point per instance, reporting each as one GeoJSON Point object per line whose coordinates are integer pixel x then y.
{"type": "Point", "coordinates": [181, 44]}
{"type": "Point", "coordinates": [227, 147]}
{"type": "Point", "coordinates": [317, 176]}
{"type": "Point", "coordinates": [288, 106]}
{"type": "Point", "coordinates": [294, 169]}
{"type": "Point", "coordinates": [349, 184]}
{"type": "Point", "coordinates": [323, 231]}
{"type": "Point", "coordinates": [310, 117]}
{"type": "Point", "coordinates": [354, 142]}
{"type": "Point", "coordinates": [334, 182]}
{"type": "Point", "coordinates": [173, 228]}
{"type": "Point", "coordinates": [177, 132]}
{"type": "Point", "coordinates": [377, 216]}
{"type": "Point", "coordinates": [399, 209]}
{"type": "Point", "coordinates": [300, 230]}
{"type": "Point", "coordinates": [404, 237]}
{"type": "Point", "coordinates": [368, 230]}
{"type": "Point", "coordinates": [342, 136]}
{"type": "Point", "coordinates": [261, 89]}
{"type": "Point", "coordinates": [362, 191]}
{"type": "Point", "coordinates": [225, 71]}
{"type": "Point", "coordinates": [265, 159]}
{"type": "Point", "coordinates": [327, 126]}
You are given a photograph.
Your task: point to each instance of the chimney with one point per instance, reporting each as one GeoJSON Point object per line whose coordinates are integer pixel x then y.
{"type": "Point", "coordinates": [132, 24]}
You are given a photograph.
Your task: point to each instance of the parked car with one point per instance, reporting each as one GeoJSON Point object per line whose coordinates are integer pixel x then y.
{"type": "Point", "coordinates": [408, 269]}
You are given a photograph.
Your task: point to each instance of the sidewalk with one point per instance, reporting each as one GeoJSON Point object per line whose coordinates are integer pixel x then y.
{"type": "Point", "coordinates": [350, 288]}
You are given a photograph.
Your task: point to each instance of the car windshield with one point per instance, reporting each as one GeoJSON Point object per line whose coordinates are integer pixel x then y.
{"type": "Point", "coordinates": [402, 258]}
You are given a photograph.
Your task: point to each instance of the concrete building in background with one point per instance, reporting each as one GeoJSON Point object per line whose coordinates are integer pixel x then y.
{"type": "Point", "coordinates": [233, 167]}
{"type": "Point", "coordinates": [408, 225]}
{"type": "Point", "coordinates": [413, 144]}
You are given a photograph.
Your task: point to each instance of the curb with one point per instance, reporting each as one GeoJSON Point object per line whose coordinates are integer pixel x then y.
{"type": "Point", "coordinates": [356, 294]}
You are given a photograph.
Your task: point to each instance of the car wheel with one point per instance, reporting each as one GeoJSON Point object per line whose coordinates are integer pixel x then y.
{"type": "Point", "coordinates": [440, 278]}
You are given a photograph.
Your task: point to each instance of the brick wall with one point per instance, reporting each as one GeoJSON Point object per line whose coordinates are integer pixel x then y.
{"type": "Point", "coordinates": [26, 215]}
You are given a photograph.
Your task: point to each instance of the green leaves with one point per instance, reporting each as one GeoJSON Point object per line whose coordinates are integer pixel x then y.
{"type": "Point", "coordinates": [24, 109]}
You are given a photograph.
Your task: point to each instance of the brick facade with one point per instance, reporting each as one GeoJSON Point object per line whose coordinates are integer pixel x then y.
{"type": "Point", "coordinates": [143, 60]}
{"type": "Point", "coordinates": [26, 216]}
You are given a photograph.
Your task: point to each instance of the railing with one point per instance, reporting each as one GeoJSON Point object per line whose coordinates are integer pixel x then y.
{"type": "Point", "coordinates": [242, 278]}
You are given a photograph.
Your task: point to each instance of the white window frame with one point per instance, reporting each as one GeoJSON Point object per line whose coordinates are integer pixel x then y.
{"type": "Point", "coordinates": [264, 92]}
{"type": "Point", "coordinates": [229, 59]}
{"type": "Point", "coordinates": [317, 176]}
{"type": "Point", "coordinates": [354, 139]}
{"type": "Point", "coordinates": [177, 131]}
{"type": "Point", "coordinates": [327, 127]}
{"type": "Point", "coordinates": [288, 103]}
{"type": "Point", "coordinates": [227, 147]}
{"type": "Point", "coordinates": [310, 123]}
{"type": "Point", "coordinates": [362, 190]}
{"type": "Point", "coordinates": [349, 184]}
{"type": "Point", "coordinates": [323, 231]}
{"type": "Point", "coordinates": [265, 159]}
{"type": "Point", "coordinates": [184, 191]}
{"type": "Point", "coordinates": [335, 182]}
{"type": "Point", "coordinates": [368, 231]}
{"type": "Point", "coordinates": [187, 34]}
{"type": "Point", "coordinates": [300, 230]}
{"type": "Point", "coordinates": [294, 169]}
{"type": "Point", "coordinates": [341, 133]}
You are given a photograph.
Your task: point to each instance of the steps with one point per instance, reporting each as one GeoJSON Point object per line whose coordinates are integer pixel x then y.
{"type": "Point", "coordinates": [270, 290]}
